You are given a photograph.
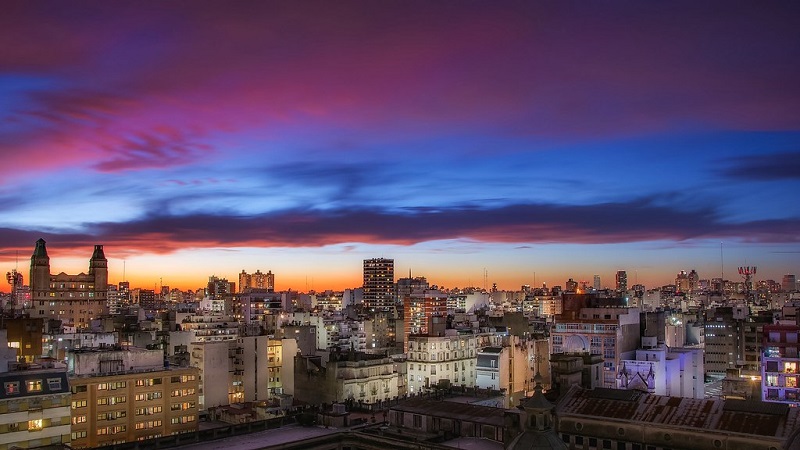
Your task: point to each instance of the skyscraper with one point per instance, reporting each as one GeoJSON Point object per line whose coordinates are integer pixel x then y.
{"type": "Point", "coordinates": [622, 281]}
{"type": "Point", "coordinates": [379, 283]}
{"type": "Point", "coordinates": [596, 283]}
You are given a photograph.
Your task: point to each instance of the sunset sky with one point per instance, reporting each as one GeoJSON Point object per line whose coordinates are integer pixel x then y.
{"type": "Point", "coordinates": [537, 141]}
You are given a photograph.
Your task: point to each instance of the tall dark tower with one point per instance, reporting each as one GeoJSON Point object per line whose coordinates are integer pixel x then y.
{"type": "Point", "coordinates": [40, 271]}
{"type": "Point", "coordinates": [98, 266]}
{"type": "Point", "coordinates": [379, 283]}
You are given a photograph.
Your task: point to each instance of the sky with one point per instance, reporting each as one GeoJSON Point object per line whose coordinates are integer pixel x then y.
{"type": "Point", "coordinates": [507, 142]}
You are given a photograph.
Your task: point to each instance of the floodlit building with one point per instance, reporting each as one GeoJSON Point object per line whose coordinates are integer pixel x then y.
{"type": "Point", "coordinates": [441, 361]}
{"type": "Point", "coordinates": [347, 377]}
{"type": "Point", "coordinates": [73, 299]}
{"type": "Point", "coordinates": [128, 395]}
{"type": "Point", "coordinates": [660, 370]}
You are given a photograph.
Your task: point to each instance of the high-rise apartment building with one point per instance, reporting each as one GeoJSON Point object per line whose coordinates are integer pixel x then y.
{"type": "Point", "coordinates": [780, 367]}
{"type": "Point", "coordinates": [435, 361]}
{"type": "Point", "coordinates": [596, 283]}
{"type": "Point", "coordinates": [128, 395]}
{"type": "Point", "coordinates": [379, 283]}
{"type": "Point", "coordinates": [420, 309]}
{"type": "Point", "coordinates": [145, 298]}
{"type": "Point", "coordinates": [219, 287]}
{"type": "Point", "coordinates": [724, 339]}
{"type": "Point", "coordinates": [789, 283]}
{"type": "Point", "coordinates": [73, 299]}
{"type": "Point", "coordinates": [622, 281]}
{"type": "Point", "coordinates": [257, 280]}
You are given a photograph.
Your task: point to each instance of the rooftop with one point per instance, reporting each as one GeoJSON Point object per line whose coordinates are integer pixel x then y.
{"type": "Point", "coordinates": [736, 416]}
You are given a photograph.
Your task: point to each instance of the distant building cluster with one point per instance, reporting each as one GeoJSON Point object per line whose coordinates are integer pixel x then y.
{"type": "Point", "coordinates": [701, 363]}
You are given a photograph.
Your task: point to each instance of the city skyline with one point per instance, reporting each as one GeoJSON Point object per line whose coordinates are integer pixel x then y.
{"type": "Point", "coordinates": [533, 142]}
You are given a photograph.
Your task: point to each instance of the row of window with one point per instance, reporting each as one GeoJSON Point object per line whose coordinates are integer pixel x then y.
{"type": "Point", "coordinates": [102, 401]}
{"type": "Point", "coordinates": [183, 392]}
{"type": "Point", "coordinates": [32, 386]}
{"type": "Point", "coordinates": [113, 429]}
{"type": "Point", "coordinates": [146, 411]}
{"type": "Point", "coordinates": [71, 295]}
{"type": "Point", "coordinates": [31, 425]}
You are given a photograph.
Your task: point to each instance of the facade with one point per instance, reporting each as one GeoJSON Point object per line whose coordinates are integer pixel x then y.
{"type": "Point", "coordinates": [379, 283]}
{"type": "Point", "coordinates": [73, 299]}
{"type": "Point", "coordinates": [214, 362]}
{"type": "Point", "coordinates": [441, 361]}
{"type": "Point", "coordinates": [257, 280]}
{"type": "Point", "coordinates": [505, 368]}
{"type": "Point", "coordinates": [145, 298]}
{"type": "Point", "coordinates": [219, 287]}
{"type": "Point", "coordinates": [125, 396]}
{"type": "Point", "coordinates": [622, 282]}
{"type": "Point", "coordinates": [347, 377]}
{"type": "Point", "coordinates": [247, 369]}
{"type": "Point", "coordinates": [212, 327]}
{"type": "Point", "coordinates": [663, 371]}
{"type": "Point", "coordinates": [724, 340]}
{"type": "Point", "coordinates": [419, 310]}
{"type": "Point", "coordinates": [584, 370]}
{"type": "Point", "coordinates": [442, 418]}
{"type": "Point", "coordinates": [34, 408]}
{"type": "Point", "coordinates": [780, 366]}
{"type": "Point", "coordinates": [599, 327]}
{"type": "Point", "coordinates": [789, 283]}
{"type": "Point", "coordinates": [254, 305]}
{"type": "Point", "coordinates": [34, 402]}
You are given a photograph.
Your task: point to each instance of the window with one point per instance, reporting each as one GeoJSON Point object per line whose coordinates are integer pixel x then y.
{"type": "Point", "coordinates": [417, 421]}
{"type": "Point", "coordinates": [12, 387]}
{"type": "Point", "coordinates": [34, 385]}
{"type": "Point", "coordinates": [78, 435]}
{"type": "Point", "coordinates": [78, 419]}
{"type": "Point", "coordinates": [54, 384]}
{"type": "Point", "coordinates": [78, 404]}
{"type": "Point", "coordinates": [35, 425]}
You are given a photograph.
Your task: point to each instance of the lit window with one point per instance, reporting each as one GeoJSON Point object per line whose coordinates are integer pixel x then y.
{"type": "Point", "coordinates": [12, 387]}
{"type": "Point", "coordinates": [35, 425]}
{"type": "Point", "coordinates": [34, 385]}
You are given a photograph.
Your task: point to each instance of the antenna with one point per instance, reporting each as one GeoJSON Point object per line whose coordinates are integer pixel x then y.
{"type": "Point", "coordinates": [721, 264]}
{"type": "Point", "coordinates": [123, 270]}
